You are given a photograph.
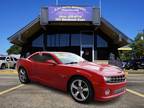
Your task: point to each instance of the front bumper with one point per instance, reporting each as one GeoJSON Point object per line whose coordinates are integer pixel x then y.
{"type": "Point", "coordinates": [116, 90]}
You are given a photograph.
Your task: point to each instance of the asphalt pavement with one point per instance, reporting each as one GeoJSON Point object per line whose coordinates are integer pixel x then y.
{"type": "Point", "coordinates": [15, 95]}
{"type": "Point", "coordinates": [136, 82]}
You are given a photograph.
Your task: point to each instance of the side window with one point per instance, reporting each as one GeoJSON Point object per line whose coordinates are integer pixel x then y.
{"type": "Point", "coordinates": [11, 59]}
{"type": "Point", "coordinates": [42, 57]}
{"type": "Point", "coordinates": [15, 59]}
{"type": "Point", "coordinates": [46, 57]}
{"type": "Point", "coordinates": [36, 58]}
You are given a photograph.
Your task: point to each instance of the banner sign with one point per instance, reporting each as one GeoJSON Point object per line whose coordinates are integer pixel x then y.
{"type": "Point", "coordinates": [69, 13]}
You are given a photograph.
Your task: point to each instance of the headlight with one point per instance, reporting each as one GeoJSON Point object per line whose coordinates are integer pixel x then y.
{"type": "Point", "coordinates": [107, 79]}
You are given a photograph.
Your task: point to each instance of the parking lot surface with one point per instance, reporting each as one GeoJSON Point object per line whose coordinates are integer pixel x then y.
{"type": "Point", "coordinates": [136, 82]}
{"type": "Point", "coordinates": [8, 81]}
{"type": "Point", "coordinates": [39, 96]}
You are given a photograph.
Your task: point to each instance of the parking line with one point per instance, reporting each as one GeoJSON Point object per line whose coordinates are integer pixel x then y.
{"type": "Point", "coordinates": [136, 93]}
{"type": "Point", "coordinates": [11, 89]}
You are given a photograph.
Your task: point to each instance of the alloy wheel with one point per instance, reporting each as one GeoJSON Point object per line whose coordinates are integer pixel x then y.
{"type": "Point", "coordinates": [22, 75]}
{"type": "Point", "coordinates": [79, 90]}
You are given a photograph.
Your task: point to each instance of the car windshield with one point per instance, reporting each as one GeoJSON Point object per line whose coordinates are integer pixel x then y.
{"type": "Point", "coordinates": [69, 58]}
{"type": "Point", "coordinates": [2, 58]}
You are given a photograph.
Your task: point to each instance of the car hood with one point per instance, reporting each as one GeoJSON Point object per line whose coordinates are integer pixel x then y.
{"type": "Point", "coordinates": [102, 69]}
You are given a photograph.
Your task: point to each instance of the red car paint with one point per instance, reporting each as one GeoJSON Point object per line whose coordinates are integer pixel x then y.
{"type": "Point", "coordinates": [57, 76]}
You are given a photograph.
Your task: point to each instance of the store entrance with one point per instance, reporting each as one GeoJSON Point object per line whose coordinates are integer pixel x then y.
{"type": "Point", "coordinates": [87, 45]}
{"type": "Point", "coordinates": [87, 53]}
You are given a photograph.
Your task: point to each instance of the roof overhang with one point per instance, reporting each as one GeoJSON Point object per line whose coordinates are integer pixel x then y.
{"type": "Point", "coordinates": [116, 35]}
{"type": "Point", "coordinates": [21, 37]}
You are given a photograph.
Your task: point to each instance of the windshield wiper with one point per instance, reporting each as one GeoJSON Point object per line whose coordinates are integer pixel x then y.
{"type": "Point", "coordinates": [72, 63]}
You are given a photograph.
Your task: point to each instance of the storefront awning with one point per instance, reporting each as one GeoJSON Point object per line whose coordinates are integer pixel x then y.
{"type": "Point", "coordinates": [125, 48]}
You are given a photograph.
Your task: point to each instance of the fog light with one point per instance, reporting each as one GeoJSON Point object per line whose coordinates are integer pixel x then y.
{"type": "Point", "coordinates": [107, 91]}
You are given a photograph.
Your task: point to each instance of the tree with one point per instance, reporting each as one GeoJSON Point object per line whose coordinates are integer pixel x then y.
{"type": "Point", "coordinates": [137, 49]}
{"type": "Point", "coordinates": [140, 36]}
{"type": "Point", "coordinates": [125, 55]}
{"type": "Point", "coordinates": [138, 45]}
{"type": "Point", "coordinates": [14, 49]}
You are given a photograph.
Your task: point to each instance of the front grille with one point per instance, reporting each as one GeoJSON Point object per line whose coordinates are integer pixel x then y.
{"type": "Point", "coordinates": [117, 79]}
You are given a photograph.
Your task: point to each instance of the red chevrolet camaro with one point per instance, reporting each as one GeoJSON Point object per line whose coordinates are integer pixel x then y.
{"type": "Point", "coordinates": [69, 72]}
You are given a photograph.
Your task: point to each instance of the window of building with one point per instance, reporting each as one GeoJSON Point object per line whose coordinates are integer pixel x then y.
{"type": "Point", "coordinates": [38, 42]}
{"type": "Point", "coordinates": [87, 38]}
{"type": "Point", "coordinates": [75, 39]}
{"type": "Point", "coordinates": [64, 40]}
{"type": "Point", "coordinates": [51, 38]}
{"type": "Point", "coordinates": [58, 40]}
{"type": "Point", "coordinates": [101, 42]}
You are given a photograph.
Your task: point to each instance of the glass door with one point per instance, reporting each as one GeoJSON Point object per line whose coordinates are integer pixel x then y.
{"type": "Point", "coordinates": [87, 45]}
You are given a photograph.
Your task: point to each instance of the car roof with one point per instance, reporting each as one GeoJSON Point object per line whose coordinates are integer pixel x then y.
{"type": "Point", "coordinates": [49, 52]}
{"type": "Point", "coordinates": [53, 52]}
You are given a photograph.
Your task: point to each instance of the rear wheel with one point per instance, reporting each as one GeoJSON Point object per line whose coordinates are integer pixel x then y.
{"type": "Point", "coordinates": [3, 66]}
{"type": "Point", "coordinates": [14, 67]}
{"type": "Point", "coordinates": [81, 90]}
{"type": "Point", "coordinates": [23, 77]}
{"type": "Point", "coordinates": [135, 68]}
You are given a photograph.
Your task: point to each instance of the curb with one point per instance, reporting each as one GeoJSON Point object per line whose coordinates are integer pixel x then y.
{"type": "Point", "coordinates": [135, 73]}
{"type": "Point", "coordinates": [8, 72]}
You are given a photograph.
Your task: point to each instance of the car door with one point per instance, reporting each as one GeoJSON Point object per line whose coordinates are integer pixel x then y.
{"type": "Point", "coordinates": [42, 70]}
{"type": "Point", "coordinates": [12, 62]}
{"type": "Point", "coordinates": [9, 62]}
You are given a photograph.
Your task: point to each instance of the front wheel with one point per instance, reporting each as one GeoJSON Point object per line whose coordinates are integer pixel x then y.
{"type": "Point", "coordinates": [81, 90]}
{"type": "Point", "coordinates": [23, 77]}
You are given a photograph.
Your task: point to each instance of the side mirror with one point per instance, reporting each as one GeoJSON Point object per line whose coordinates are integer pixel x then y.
{"type": "Point", "coordinates": [51, 62]}
{"type": "Point", "coordinates": [8, 59]}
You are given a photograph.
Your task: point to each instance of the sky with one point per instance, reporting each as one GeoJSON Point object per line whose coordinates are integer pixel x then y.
{"type": "Point", "coordinates": [126, 15]}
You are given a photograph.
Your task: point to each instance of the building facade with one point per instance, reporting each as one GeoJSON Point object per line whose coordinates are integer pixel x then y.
{"type": "Point", "coordinates": [75, 29]}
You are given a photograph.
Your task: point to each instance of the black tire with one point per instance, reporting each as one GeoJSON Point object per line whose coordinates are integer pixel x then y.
{"type": "Point", "coordinates": [87, 94]}
{"type": "Point", "coordinates": [3, 66]}
{"type": "Point", "coordinates": [135, 68]}
{"type": "Point", "coordinates": [23, 76]}
{"type": "Point", "coordinates": [128, 68]}
{"type": "Point", "coordinates": [14, 67]}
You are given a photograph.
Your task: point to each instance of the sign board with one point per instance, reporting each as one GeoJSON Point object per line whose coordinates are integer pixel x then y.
{"type": "Point", "coordinates": [69, 13]}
